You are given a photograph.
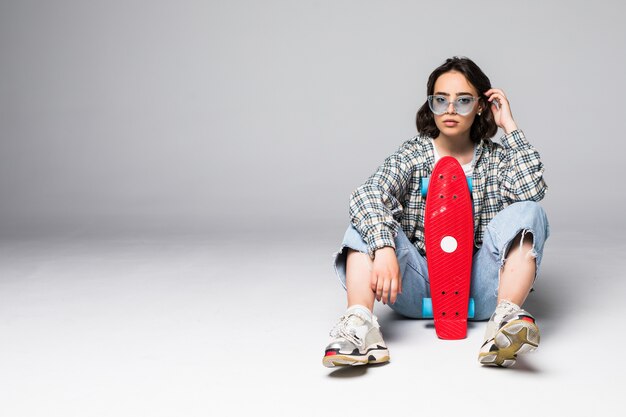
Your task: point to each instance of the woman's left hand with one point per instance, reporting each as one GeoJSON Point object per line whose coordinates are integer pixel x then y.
{"type": "Point", "coordinates": [501, 112]}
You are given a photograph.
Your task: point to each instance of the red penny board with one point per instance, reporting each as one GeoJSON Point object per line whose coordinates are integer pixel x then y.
{"type": "Point", "coordinates": [449, 238]}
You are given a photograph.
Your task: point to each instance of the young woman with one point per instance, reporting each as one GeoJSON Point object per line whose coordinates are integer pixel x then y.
{"type": "Point", "coordinates": [382, 255]}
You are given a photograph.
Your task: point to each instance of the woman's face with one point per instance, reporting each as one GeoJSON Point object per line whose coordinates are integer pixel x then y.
{"type": "Point", "coordinates": [454, 85]}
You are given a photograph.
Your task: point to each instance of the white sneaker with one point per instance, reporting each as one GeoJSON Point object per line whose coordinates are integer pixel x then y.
{"type": "Point", "coordinates": [510, 331]}
{"type": "Point", "coordinates": [355, 341]}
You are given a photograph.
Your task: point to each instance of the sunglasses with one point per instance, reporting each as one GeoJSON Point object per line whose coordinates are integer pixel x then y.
{"type": "Point", "coordinates": [463, 105]}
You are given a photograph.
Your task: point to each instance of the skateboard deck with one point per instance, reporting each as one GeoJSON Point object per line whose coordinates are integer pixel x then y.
{"type": "Point", "coordinates": [449, 239]}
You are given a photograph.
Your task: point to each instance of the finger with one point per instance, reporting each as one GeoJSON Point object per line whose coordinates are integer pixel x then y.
{"type": "Point", "coordinates": [504, 105]}
{"type": "Point", "coordinates": [489, 92]}
{"type": "Point", "coordinates": [496, 101]}
{"type": "Point", "coordinates": [394, 290]}
{"type": "Point", "coordinates": [500, 98]}
{"type": "Point", "coordinates": [379, 288]}
{"type": "Point", "coordinates": [494, 90]}
{"type": "Point", "coordinates": [495, 96]}
{"type": "Point", "coordinates": [373, 281]}
{"type": "Point", "coordinates": [386, 286]}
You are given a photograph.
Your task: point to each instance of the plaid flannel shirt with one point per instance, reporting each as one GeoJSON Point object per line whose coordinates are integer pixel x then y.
{"type": "Point", "coordinates": [391, 197]}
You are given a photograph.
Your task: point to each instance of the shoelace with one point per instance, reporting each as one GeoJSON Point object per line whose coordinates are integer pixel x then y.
{"type": "Point", "coordinates": [345, 328]}
{"type": "Point", "coordinates": [508, 308]}
{"type": "Point", "coordinates": [502, 310]}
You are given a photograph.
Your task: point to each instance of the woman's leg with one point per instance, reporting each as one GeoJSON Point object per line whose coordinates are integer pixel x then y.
{"type": "Point", "coordinates": [518, 273]}
{"type": "Point", "coordinates": [358, 270]}
{"type": "Point", "coordinates": [356, 338]}
{"type": "Point", "coordinates": [504, 268]}
{"type": "Point", "coordinates": [353, 267]}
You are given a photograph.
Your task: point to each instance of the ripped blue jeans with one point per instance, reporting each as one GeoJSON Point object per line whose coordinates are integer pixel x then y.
{"type": "Point", "coordinates": [525, 217]}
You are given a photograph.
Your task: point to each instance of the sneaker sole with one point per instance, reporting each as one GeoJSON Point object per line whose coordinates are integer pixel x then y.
{"type": "Point", "coordinates": [341, 359]}
{"type": "Point", "coordinates": [518, 336]}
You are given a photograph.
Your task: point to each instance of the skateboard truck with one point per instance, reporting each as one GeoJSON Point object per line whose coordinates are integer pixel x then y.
{"type": "Point", "coordinates": [427, 308]}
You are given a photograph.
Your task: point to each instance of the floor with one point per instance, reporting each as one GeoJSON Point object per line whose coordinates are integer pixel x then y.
{"type": "Point", "coordinates": [182, 325]}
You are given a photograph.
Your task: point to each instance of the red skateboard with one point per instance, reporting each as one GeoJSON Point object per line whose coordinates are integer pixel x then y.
{"type": "Point", "coordinates": [449, 238]}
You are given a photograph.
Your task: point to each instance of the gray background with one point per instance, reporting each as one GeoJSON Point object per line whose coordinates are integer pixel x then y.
{"type": "Point", "coordinates": [174, 178]}
{"type": "Point", "coordinates": [186, 115]}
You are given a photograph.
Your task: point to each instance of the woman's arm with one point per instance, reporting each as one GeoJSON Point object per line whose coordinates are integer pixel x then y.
{"type": "Point", "coordinates": [375, 207]}
{"type": "Point", "coordinates": [520, 172]}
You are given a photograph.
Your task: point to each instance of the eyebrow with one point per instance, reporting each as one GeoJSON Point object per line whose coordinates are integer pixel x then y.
{"type": "Point", "coordinates": [462, 93]}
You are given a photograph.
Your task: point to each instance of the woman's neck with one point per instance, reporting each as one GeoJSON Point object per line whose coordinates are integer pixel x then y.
{"type": "Point", "coordinates": [460, 147]}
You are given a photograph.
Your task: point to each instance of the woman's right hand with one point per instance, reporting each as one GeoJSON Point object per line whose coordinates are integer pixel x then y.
{"type": "Point", "coordinates": [385, 278]}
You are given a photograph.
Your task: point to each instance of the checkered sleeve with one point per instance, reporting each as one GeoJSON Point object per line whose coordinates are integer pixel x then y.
{"type": "Point", "coordinates": [375, 208]}
{"type": "Point", "coordinates": [521, 170]}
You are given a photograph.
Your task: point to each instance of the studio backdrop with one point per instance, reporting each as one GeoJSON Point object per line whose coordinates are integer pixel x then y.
{"type": "Point", "coordinates": [248, 116]}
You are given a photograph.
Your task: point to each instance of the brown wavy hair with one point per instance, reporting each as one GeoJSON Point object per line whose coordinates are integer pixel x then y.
{"type": "Point", "coordinates": [484, 126]}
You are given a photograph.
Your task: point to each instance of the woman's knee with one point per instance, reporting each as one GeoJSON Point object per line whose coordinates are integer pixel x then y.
{"type": "Point", "coordinates": [525, 215]}
{"type": "Point", "coordinates": [528, 209]}
{"type": "Point", "coordinates": [525, 240]}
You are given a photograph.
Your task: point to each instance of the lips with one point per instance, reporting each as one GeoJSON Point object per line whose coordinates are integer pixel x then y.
{"type": "Point", "coordinates": [450, 123]}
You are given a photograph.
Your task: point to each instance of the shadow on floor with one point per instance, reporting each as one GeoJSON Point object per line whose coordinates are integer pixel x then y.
{"type": "Point", "coordinates": [355, 371]}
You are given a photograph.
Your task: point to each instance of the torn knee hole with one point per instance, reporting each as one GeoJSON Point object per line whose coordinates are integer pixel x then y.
{"type": "Point", "coordinates": [523, 237]}
{"type": "Point", "coordinates": [528, 237]}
